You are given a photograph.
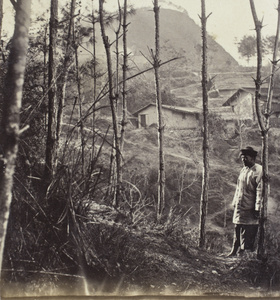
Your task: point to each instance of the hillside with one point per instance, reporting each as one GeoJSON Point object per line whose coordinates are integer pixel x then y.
{"type": "Point", "coordinates": [128, 254]}
{"type": "Point", "coordinates": [179, 35]}
{"type": "Point", "coordinates": [170, 262]}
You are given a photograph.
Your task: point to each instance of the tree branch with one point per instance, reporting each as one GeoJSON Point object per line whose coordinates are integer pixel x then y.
{"type": "Point", "coordinates": [149, 69]}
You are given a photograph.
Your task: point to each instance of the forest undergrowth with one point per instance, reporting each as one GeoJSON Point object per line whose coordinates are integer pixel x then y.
{"type": "Point", "coordinates": [74, 242]}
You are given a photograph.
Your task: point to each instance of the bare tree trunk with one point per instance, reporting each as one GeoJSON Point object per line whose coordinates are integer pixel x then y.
{"type": "Point", "coordinates": [94, 81]}
{"type": "Point", "coordinates": [114, 171]}
{"type": "Point", "coordinates": [258, 83]}
{"type": "Point", "coordinates": [45, 73]}
{"type": "Point", "coordinates": [117, 51]}
{"type": "Point", "coordinates": [112, 104]}
{"type": "Point", "coordinates": [263, 121]}
{"type": "Point", "coordinates": [65, 69]}
{"type": "Point", "coordinates": [45, 51]}
{"type": "Point", "coordinates": [161, 171]}
{"type": "Point", "coordinates": [205, 174]}
{"type": "Point", "coordinates": [80, 101]}
{"type": "Point", "coordinates": [125, 67]}
{"type": "Point", "coordinates": [12, 97]}
{"type": "Point", "coordinates": [51, 144]}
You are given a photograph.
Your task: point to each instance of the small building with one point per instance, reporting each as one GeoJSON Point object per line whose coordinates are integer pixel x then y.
{"type": "Point", "coordinates": [228, 83]}
{"type": "Point", "coordinates": [173, 116]}
{"type": "Point", "coordinates": [242, 105]}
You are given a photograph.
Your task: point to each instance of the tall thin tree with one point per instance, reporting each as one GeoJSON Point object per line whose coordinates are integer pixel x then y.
{"type": "Point", "coordinates": [114, 173]}
{"type": "Point", "coordinates": [51, 143]}
{"type": "Point", "coordinates": [112, 103]}
{"type": "Point", "coordinates": [124, 75]}
{"type": "Point", "coordinates": [80, 103]}
{"type": "Point", "coordinates": [205, 173]}
{"type": "Point", "coordinates": [10, 125]}
{"type": "Point", "coordinates": [117, 52]}
{"type": "Point", "coordinates": [263, 121]}
{"type": "Point", "coordinates": [68, 59]}
{"type": "Point", "coordinates": [94, 20]}
{"type": "Point", "coordinates": [45, 53]}
{"type": "Point", "coordinates": [156, 65]}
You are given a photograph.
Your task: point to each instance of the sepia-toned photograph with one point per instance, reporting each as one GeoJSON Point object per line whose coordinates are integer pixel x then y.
{"type": "Point", "coordinates": [139, 149]}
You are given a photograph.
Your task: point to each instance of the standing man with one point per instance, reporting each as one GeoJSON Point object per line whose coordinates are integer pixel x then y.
{"type": "Point", "coordinates": [246, 202]}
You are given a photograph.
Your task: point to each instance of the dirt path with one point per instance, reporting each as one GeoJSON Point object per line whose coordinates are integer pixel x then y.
{"type": "Point", "coordinates": [202, 274]}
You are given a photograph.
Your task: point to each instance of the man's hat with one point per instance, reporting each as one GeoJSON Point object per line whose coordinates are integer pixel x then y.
{"type": "Point", "coordinates": [249, 151]}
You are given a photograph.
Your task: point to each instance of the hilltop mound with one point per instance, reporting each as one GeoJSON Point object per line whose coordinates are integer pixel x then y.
{"type": "Point", "coordinates": [179, 36]}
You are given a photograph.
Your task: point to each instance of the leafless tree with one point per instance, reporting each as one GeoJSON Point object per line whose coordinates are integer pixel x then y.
{"type": "Point", "coordinates": [205, 173]}
{"type": "Point", "coordinates": [115, 174]}
{"type": "Point", "coordinates": [80, 103]}
{"type": "Point", "coordinates": [117, 52]}
{"type": "Point", "coordinates": [263, 120]}
{"type": "Point", "coordinates": [156, 65]}
{"type": "Point", "coordinates": [112, 98]}
{"type": "Point", "coordinates": [124, 75]}
{"type": "Point", "coordinates": [94, 76]}
{"type": "Point", "coordinates": [65, 69]}
{"type": "Point", "coordinates": [51, 144]}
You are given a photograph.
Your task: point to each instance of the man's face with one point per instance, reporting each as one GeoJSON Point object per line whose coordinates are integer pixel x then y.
{"type": "Point", "coordinates": [247, 160]}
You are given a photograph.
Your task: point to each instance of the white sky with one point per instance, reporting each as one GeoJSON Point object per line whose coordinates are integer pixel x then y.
{"type": "Point", "coordinates": [230, 19]}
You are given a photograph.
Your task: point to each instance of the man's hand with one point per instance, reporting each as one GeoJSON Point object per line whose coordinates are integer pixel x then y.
{"type": "Point", "coordinates": [256, 214]}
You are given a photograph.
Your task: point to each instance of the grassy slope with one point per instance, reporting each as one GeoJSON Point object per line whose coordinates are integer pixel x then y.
{"type": "Point", "coordinates": [146, 258]}
{"type": "Point", "coordinates": [170, 262]}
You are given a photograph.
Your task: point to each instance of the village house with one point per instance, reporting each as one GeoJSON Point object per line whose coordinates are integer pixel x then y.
{"type": "Point", "coordinates": [237, 91]}
{"type": "Point", "coordinates": [174, 116]}
{"type": "Point", "coordinates": [233, 107]}
{"type": "Point", "coordinates": [242, 103]}
{"type": "Point", "coordinates": [228, 82]}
